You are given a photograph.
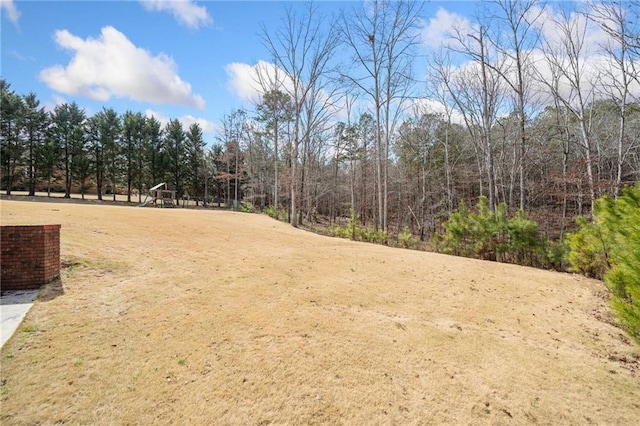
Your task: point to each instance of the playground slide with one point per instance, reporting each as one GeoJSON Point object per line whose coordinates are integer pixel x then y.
{"type": "Point", "coordinates": [146, 202]}
{"type": "Point", "coordinates": [150, 195]}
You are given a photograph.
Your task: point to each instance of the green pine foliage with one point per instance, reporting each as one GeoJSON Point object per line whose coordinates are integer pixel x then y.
{"type": "Point", "coordinates": [525, 245]}
{"type": "Point", "coordinates": [247, 208]}
{"type": "Point", "coordinates": [458, 236]}
{"type": "Point", "coordinates": [610, 248]}
{"type": "Point", "coordinates": [492, 235]}
{"type": "Point", "coordinates": [589, 249]}
{"type": "Point", "coordinates": [277, 214]}
{"type": "Point", "coordinates": [355, 232]}
{"type": "Point", "coordinates": [405, 238]}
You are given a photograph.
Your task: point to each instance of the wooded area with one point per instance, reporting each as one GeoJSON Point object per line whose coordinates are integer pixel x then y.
{"type": "Point", "coordinates": [529, 112]}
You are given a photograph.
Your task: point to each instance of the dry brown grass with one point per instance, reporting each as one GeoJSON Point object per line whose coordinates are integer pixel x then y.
{"type": "Point", "coordinates": [200, 317]}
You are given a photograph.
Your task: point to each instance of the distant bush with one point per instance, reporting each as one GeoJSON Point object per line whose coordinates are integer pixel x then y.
{"type": "Point", "coordinates": [247, 208]}
{"type": "Point", "coordinates": [405, 238]}
{"type": "Point", "coordinates": [278, 214]}
{"type": "Point", "coordinates": [358, 233]}
{"type": "Point", "coordinates": [458, 236]}
{"type": "Point", "coordinates": [372, 235]}
{"type": "Point", "coordinates": [524, 245]}
{"type": "Point", "coordinates": [492, 235]}
{"type": "Point", "coordinates": [609, 248]}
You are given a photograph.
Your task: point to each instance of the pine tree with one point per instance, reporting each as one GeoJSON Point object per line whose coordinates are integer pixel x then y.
{"type": "Point", "coordinates": [11, 132]}
{"type": "Point", "coordinates": [155, 157]}
{"type": "Point", "coordinates": [68, 131]}
{"type": "Point", "coordinates": [174, 145]}
{"type": "Point", "coordinates": [621, 221]}
{"type": "Point", "coordinates": [132, 140]}
{"type": "Point", "coordinates": [35, 127]}
{"type": "Point", "coordinates": [195, 157]}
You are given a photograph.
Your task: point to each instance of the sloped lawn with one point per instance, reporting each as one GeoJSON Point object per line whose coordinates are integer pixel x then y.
{"type": "Point", "coordinates": [172, 316]}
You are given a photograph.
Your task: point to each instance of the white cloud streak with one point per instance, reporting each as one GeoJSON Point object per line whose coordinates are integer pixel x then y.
{"type": "Point", "coordinates": [10, 9]}
{"type": "Point", "coordinates": [432, 106]}
{"type": "Point", "coordinates": [185, 12]}
{"type": "Point", "coordinates": [208, 127]}
{"type": "Point", "coordinates": [111, 65]}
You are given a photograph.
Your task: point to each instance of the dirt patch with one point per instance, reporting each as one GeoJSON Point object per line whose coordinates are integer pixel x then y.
{"type": "Point", "coordinates": [213, 317]}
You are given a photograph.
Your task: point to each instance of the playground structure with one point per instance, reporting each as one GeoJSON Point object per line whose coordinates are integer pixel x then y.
{"type": "Point", "coordinates": [160, 196]}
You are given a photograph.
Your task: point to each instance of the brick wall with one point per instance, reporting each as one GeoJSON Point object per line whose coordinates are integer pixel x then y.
{"type": "Point", "coordinates": [30, 256]}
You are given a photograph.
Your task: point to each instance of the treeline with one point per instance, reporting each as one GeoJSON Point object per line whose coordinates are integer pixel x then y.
{"type": "Point", "coordinates": [528, 121]}
{"type": "Point", "coordinates": [329, 136]}
{"type": "Point", "coordinates": [107, 153]}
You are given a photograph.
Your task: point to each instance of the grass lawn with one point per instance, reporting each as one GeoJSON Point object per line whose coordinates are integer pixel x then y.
{"type": "Point", "coordinates": [178, 316]}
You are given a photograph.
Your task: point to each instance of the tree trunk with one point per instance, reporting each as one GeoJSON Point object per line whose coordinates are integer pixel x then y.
{"type": "Point", "coordinates": [621, 136]}
{"type": "Point", "coordinates": [589, 164]}
{"type": "Point", "coordinates": [294, 173]}
{"type": "Point", "coordinates": [276, 191]}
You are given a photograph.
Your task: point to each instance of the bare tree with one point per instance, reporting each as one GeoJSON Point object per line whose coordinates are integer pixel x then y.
{"type": "Point", "coordinates": [231, 137]}
{"type": "Point", "coordinates": [415, 148]}
{"type": "Point", "coordinates": [365, 129]}
{"type": "Point", "coordinates": [566, 58]}
{"type": "Point", "coordinates": [477, 92]}
{"type": "Point", "coordinates": [320, 106]}
{"type": "Point", "coordinates": [303, 49]}
{"type": "Point", "coordinates": [275, 111]}
{"type": "Point", "coordinates": [619, 71]}
{"type": "Point", "coordinates": [439, 73]}
{"type": "Point", "coordinates": [517, 44]}
{"type": "Point", "coordinates": [382, 36]}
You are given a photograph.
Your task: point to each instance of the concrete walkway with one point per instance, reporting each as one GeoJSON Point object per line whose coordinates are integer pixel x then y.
{"type": "Point", "coordinates": [14, 305]}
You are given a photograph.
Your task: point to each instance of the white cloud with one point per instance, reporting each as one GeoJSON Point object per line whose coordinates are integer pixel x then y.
{"type": "Point", "coordinates": [554, 26]}
{"type": "Point", "coordinates": [596, 71]}
{"type": "Point", "coordinates": [599, 76]}
{"type": "Point", "coordinates": [186, 12]}
{"type": "Point", "coordinates": [56, 100]}
{"type": "Point", "coordinates": [437, 32]}
{"type": "Point", "coordinates": [244, 80]}
{"type": "Point", "coordinates": [111, 65]}
{"type": "Point", "coordinates": [206, 125]}
{"type": "Point", "coordinates": [187, 120]}
{"type": "Point", "coordinates": [21, 57]}
{"type": "Point", "coordinates": [11, 10]}
{"type": "Point", "coordinates": [163, 119]}
{"type": "Point", "coordinates": [432, 106]}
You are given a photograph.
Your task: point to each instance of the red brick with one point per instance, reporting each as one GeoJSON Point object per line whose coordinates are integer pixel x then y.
{"type": "Point", "coordinates": [30, 256]}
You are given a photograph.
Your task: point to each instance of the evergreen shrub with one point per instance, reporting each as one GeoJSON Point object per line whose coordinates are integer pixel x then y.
{"type": "Point", "coordinates": [405, 238]}
{"type": "Point", "coordinates": [358, 233]}
{"type": "Point", "coordinates": [609, 247]}
{"type": "Point", "coordinates": [492, 235]}
{"type": "Point", "coordinates": [277, 214]}
{"type": "Point", "coordinates": [247, 208]}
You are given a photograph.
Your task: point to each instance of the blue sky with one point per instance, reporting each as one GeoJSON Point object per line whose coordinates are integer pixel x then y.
{"type": "Point", "coordinates": [142, 56]}
{"type": "Point", "coordinates": [182, 59]}
{"type": "Point", "coordinates": [44, 34]}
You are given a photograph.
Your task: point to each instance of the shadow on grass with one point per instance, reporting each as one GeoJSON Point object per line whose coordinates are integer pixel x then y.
{"type": "Point", "coordinates": [51, 290]}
